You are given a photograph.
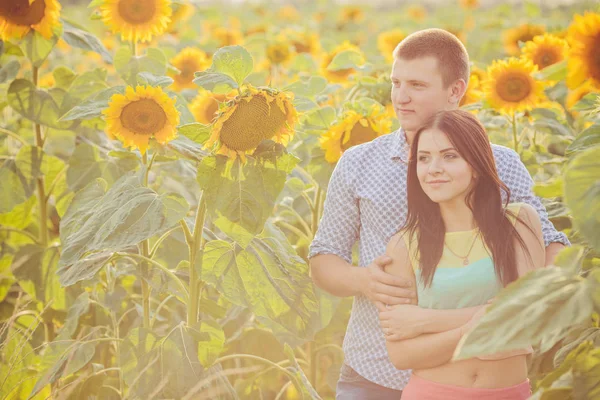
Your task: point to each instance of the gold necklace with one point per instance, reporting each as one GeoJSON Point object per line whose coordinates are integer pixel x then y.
{"type": "Point", "coordinates": [465, 258]}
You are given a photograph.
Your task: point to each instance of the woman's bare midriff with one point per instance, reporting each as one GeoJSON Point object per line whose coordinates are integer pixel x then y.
{"type": "Point", "coordinates": [478, 373]}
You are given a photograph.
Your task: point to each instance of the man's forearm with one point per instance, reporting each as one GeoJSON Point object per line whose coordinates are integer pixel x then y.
{"type": "Point", "coordinates": [445, 320]}
{"type": "Point", "coordinates": [334, 275]}
{"type": "Point", "coordinates": [425, 351]}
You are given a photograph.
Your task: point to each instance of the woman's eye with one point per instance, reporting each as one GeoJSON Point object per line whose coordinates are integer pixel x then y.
{"type": "Point", "coordinates": [422, 158]}
{"type": "Point", "coordinates": [450, 156]}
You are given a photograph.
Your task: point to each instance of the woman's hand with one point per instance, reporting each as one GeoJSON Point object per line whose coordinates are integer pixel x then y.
{"type": "Point", "coordinates": [403, 321]}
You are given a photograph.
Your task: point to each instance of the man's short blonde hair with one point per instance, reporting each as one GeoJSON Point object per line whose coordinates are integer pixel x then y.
{"type": "Point", "coordinates": [452, 56]}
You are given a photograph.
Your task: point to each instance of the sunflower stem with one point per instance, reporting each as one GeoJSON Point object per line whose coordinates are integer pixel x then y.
{"type": "Point", "coordinates": [514, 129]}
{"type": "Point", "coordinates": [14, 135]}
{"type": "Point", "coordinates": [41, 190]}
{"type": "Point", "coordinates": [196, 250]}
{"type": "Point", "coordinates": [146, 254]}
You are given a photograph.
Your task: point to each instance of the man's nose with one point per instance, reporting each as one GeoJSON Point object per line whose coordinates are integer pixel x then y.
{"type": "Point", "coordinates": [400, 95]}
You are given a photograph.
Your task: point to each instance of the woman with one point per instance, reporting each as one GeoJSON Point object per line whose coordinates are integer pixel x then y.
{"type": "Point", "coordinates": [461, 246]}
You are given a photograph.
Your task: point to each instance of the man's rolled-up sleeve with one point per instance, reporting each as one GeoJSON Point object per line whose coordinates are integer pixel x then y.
{"type": "Point", "coordinates": [339, 225]}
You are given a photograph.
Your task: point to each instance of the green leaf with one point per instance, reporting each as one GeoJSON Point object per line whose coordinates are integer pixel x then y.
{"type": "Point", "coordinates": [21, 189]}
{"type": "Point", "coordinates": [300, 380]}
{"type": "Point", "coordinates": [233, 61]}
{"type": "Point", "coordinates": [11, 49]}
{"type": "Point", "coordinates": [38, 48]}
{"type": "Point", "coordinates": [93, 106]}
{"type": "Point", "coordinates": [77, 37]}
{"type": "Point", "coordinates": [529, 311]}
{"type": "Point", "coordinates": [546, 190]}
{"type": "Point", "coordinates": [586, 375]}
{"type": "Point", "coordinates": [582, 193]}
{"type": "Point", "coordinates": [345, 60]}
{"type": "Point", "coordinates": [120, 218]}
{"type": "Point", "coordinates": [35, 104]}
{"type": "Point", "coordinates": [209, 350]}
{"type": "Point", "coordinates": [220, 269]}
{"type": "Point", "coordinates": [129, 66]}
{"type": "Point", "coordinates": [586, 103]}
{"type": "Point", "coordinates": [9, 71]}
{"type": "Point", "coordinates": [197, 132]}
{"type": "Point", "coordinates": [566, 353]}
{"type": "Point", "coordinates": [35, 269]}
{"type": "Point", "coordinates": [215, 82]}
{"type": "Point", "coordinates": [63, 77]}
{"type": "Point", "coordinates": [149, 79]}
{"type": "Point", "coordinates": [552, 126]}
{"type": "Point", "coordinates": [320, 119]}
{"type": "Point", "coordinates": [244, 194]}
{"type": "Point", "coordinates": [570, 257]}
{"type": "Point", "coordinates": [80, 307]}
{"type": "Point", "coordinates": [585, 140]}
{"type": "Point", "coordinates": [33, 162]}
{"type": "Point", "coordinates": [139, 361]}
{"type": "Point", "coordinates": [554, 72]}
{"type": "Point", "coordinates": [308, 86]}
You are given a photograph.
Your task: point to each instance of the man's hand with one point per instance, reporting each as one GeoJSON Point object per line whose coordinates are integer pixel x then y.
{"type": "Point", "coordinates": [402, 322]}
{"type": "Point", "coordinates": [382, 288]}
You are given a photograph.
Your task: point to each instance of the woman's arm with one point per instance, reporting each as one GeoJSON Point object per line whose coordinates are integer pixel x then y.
{"type": "Point", "coordinates": [426, 350]}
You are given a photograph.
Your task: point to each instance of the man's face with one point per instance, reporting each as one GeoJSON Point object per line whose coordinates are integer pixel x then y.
{"type": "Point", "coordinates": [417, 92]}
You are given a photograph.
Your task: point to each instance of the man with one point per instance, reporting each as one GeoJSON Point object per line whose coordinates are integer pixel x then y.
{"type": "Point", "coordinates": [366, 199]}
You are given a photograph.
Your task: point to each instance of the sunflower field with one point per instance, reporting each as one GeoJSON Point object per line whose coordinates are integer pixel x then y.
{"type": "Point", "coordinates": [163, 170]}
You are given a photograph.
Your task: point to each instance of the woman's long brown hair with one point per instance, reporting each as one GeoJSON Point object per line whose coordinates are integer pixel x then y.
{"type": "Point", "coordinates": [424, 219]}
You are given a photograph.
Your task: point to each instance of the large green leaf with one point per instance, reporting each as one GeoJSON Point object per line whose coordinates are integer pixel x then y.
{"type": "Point", "coordinates": [529, 311]}
{"type": "Point", "coordinates": [196, 132]}
{"type": "Point", "coordinates": [220, 269]}
{"type": "Point", "coordinates": [586, 376]}
{"type": "Point", "coordinates": [139, 360]}
{"type": "Point", "coordinates": [118, 219]}
{"type": "Point", "coordinates": [89, 162]}
{"type": "Point", "coordinates": [582, 193]}
{"type": "Point", "coordinates": [20, 188]}
{"type": "Point", "coordinates": [234, 61]}
{"type": "Point", "coordinates": [211, 348]}
{"type": "Point", "coordinates": [9, 71]}
{"type": "Point", "coordinates": [308, 86]}
{"type": "Point", "coordinates": [345, 60]}
{"type": "Point", "coordinates": [586, 139]}
{"type": "Point", "coordinates": [35, 104]}
{"type": "Point", "coordinates": [215, 82]}
{"type": "Point", "coordinates": [93, 106]}
{"type": "Point", "coordinates": [35, 269]}
{"type": "Point", "coordinates": [38, 48]}
{"type": "Point", "coordinates": [80, 307]}
{"type": "Point", "coordinates": [244, 195]}
{"type": "Point", "coordinates": [79, 37]}
{"type": "Point", "coordinates": [129, 66]}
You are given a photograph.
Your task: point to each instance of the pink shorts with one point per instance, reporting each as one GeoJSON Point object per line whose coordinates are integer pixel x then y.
{"type": "Point", "coordinates": [423, 389]}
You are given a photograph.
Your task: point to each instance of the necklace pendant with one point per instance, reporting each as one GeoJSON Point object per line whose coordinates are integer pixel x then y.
{"type": "Point", "coordinates": [466, 262]}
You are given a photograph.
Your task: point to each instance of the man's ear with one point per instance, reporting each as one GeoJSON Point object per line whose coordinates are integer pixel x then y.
{"type": "Point", "coordinates": [457, 91]}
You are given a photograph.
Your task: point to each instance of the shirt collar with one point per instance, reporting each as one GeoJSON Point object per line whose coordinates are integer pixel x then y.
{"type": "Point", "coordinates": [399, 149]}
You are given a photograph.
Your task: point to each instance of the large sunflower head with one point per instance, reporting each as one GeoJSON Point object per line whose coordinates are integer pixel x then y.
{"type": "Point", "coordinates": [227, 37]}
{"type": "Point", "coordinates": [140, 114]}
{"type": "Point", "coordinates": [545, 50]}
{"type": "Point", "coordinates": [18, 17]}
{"type": "Point", "coordinates": [206, 106]}
{"type": "Point", "coordinates": [523, 33]}
{"type": "Point", "coordinates": [341, 75]}
{"type": "Point", "coordinates": [137, 20]}
{"type": "Point", "coordinates": [188, 61]}
{"type": "Point", "coordinates": [257, 114]}
{"type": "Point", "coordinates": [387, 42]}
{"type": "Point", "coordinates": [352, 129]}
{"type": "Point", "coordinates": [584, 54]}
{"type": "Point", "coordinates": [304, 42]}
{"type": "Point", "coordinates": [510, 86]}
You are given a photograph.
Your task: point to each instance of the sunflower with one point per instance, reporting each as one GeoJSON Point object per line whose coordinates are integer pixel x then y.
{"type": "Point", "coordinates": [352, 129]}
{"type": "Point", "coordinates": [579, 93]}
{"type": "Point", "coordinates": [18, 17]}
{"type": "Point", "coordinates": [288, 13]}
{"type": "Point", "coordinates": [387, 42]}
{"type": "Point", "coordinates": [469, 4]}
{"type": "Point", "coordinates": [351, 14]}
{"type": "Point", "coordinates": [206, 105]}
{"type": "Point", "coordinates": [140, 114]}
{"type": "Point", "coordinates": [523, 33]}
{"type": "Point", "coordinates": [278, 51]}
{"type": "Point", "coordinates": [137, 20]}
{"type": "Point", "coordinates": [304, 42]}
{"type": "Point", "coordinates": [341, 75]}
{"type": "Point", "coordinates": [257, 114]}
{"type": "Point", "coordinates": [473, 93]}
{"type": "Point", "coordinates": [545, 50]}
{"type": "Point", "coordinates": [47, 80]}
{"type": "Point", "coordinates": [481, 74]}
{"type": "Point", "coordinates": [584, 55]}
{"type": "Point", "coordinates": [188, 61]}
{"type": "Point", "coordinates": [416, 12]}
{"type": "Point", "coordinates": [510, 86]}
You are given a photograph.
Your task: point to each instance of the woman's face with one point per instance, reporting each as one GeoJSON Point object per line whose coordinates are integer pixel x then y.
{"type": "Point", "coordinates": [443, 174]}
